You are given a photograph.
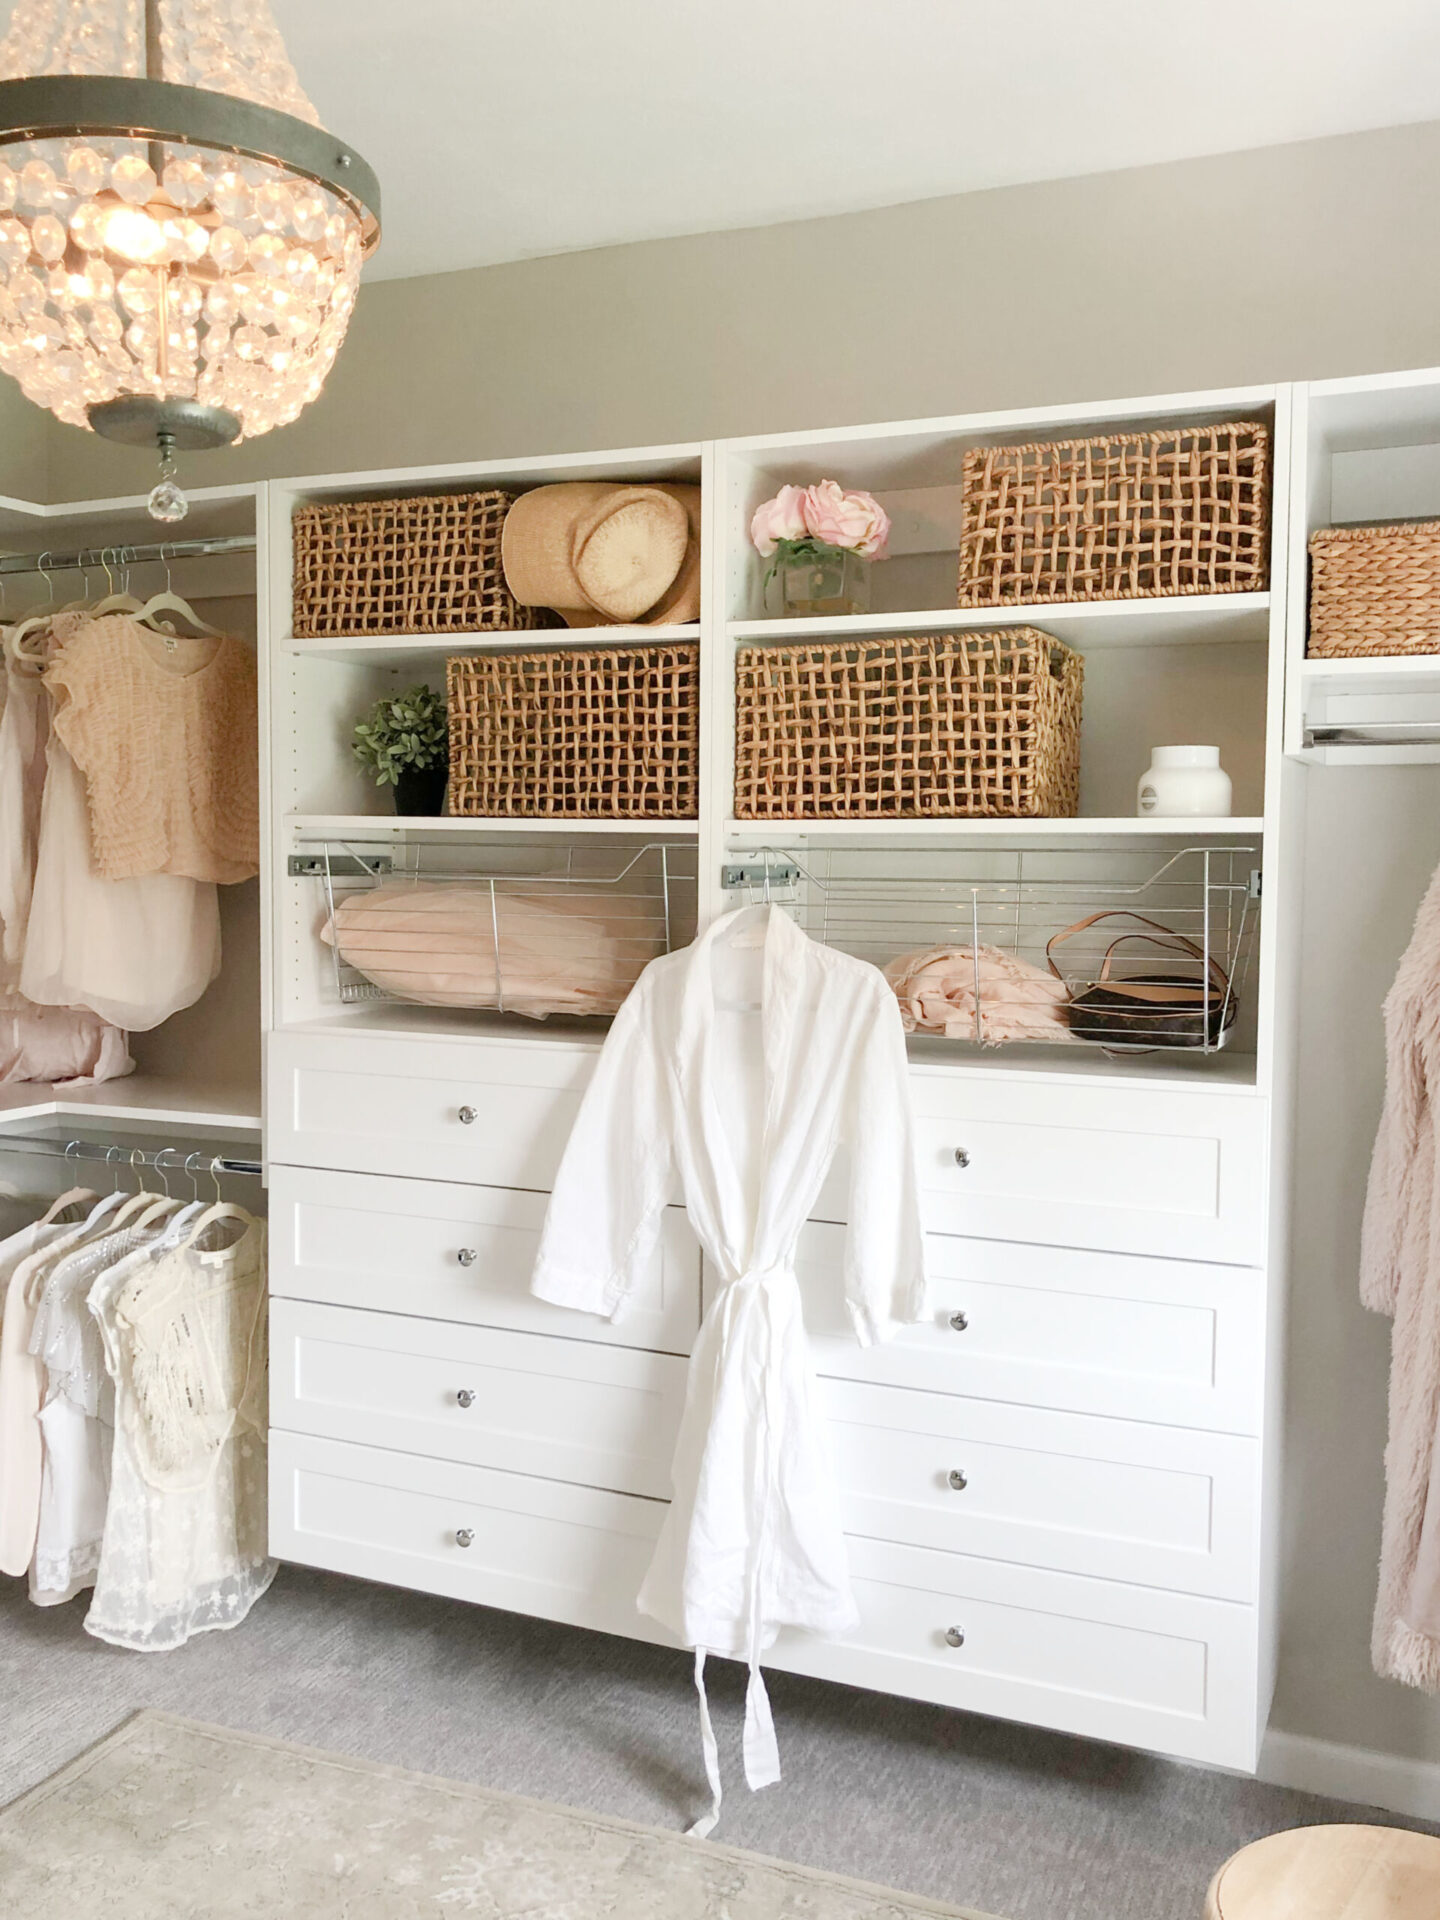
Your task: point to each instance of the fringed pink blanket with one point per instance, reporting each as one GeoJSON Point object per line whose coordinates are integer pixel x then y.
{"type": "Point", "coordinates": [1400, 1276]}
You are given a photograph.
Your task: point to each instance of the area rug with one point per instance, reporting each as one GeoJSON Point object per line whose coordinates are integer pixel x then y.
{"type": "Point", "coordinates": [170, 1817]}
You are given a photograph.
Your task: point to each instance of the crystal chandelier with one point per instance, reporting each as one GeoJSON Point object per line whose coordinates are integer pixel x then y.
{"type": "Point", "coordinates": [180, 240]}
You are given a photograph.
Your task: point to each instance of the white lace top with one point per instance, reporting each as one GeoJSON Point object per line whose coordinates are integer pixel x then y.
{"type": "Point", "coordinates": [185, 1533]}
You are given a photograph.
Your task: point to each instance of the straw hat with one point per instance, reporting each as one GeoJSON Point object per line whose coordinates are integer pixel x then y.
{"type": "Point", "coordinates": [601, 554]}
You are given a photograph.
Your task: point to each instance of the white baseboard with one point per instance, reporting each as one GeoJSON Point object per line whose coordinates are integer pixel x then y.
{"type": "Point", "coordinates": [1385, 1780]}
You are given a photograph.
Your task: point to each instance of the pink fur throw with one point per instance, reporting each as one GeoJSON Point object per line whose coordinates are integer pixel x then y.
{"type": "Point", "coordinates": [1400, 1276]}
{"type": "Point", "coordinates": [937, 993]}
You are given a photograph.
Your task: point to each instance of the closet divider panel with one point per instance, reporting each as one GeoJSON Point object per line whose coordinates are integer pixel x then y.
{"type": "Point", "coordinates": [462, 1254]}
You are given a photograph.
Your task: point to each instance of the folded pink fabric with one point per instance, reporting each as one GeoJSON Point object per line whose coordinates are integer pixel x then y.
{"type": "Point", "coordinates": [64, 1045]}
{"type": "Point", "coordinates": [937, 994]}
{"type": "Point", "coordinates": [434, 943]}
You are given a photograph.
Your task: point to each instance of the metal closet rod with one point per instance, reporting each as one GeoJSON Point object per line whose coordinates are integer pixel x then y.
{"type": "Point", "coordinates": [162, 1159]}
{"type": "Point", "coordinates": [77, 559]}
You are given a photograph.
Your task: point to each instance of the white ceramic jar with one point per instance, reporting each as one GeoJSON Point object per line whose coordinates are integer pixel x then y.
{"type": "Point", "coordinates": [1184, 780]}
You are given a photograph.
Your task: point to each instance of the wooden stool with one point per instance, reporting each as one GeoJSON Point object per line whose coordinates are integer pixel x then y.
{"type": "Point", "coordinates": [1330, 1873]}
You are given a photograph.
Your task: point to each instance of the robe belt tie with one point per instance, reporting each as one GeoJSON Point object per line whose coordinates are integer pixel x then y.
{"type": "Point", "coordinates": [760, 1749]}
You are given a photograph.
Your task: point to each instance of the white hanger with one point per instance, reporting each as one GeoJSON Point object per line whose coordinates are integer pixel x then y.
{"type": "Point", "coordinates": [123, 602]}
{"type": "Point", "coordinates": [14, 636]}
{"type": "Point", "coordinates": [218, 1210]}
{"type": "Point", "coordinates": [145, 1206]}
{"type": "Point", "coordinates": [72, 1197]}
{"type": "Point", "coordinates": [168, 601]}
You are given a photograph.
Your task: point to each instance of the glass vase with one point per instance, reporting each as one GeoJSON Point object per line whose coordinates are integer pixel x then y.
{"type": "Point", "coordinates": [827, 583]}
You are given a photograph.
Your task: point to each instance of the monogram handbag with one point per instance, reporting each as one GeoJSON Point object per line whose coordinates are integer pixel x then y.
{"type": "Point", "coordinates": [1176, 1007]}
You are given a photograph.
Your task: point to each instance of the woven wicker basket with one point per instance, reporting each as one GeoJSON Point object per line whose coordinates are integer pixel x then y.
{"type": "Point", "coordinates": [950, 724]}
{"type": "Point", "coordinates": [612, 733]}
{"type": "Point", "coordinates": [1123, 516]}
{"type": "Point", "coordinates": [1375, 590]}
{"type": "Point", "coordinates": [428, 564]}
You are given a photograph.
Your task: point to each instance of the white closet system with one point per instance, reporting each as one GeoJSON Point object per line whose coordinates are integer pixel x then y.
{"type": "Point", "coordinates": [1060, 1491]}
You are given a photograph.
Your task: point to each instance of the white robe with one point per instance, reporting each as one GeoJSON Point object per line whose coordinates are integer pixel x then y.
{"type": "Point", "coordinates": [741, 1063]}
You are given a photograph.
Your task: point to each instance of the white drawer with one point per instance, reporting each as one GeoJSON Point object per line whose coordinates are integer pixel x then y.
{"type": "Point", "coordinates": [1168, 1672]}
{"type": "Point", "coordinates": [1120, 1168]}
{"type": "Point", "coordinates": [601, 1416]}
{"type": "Point", "coordinates": [537, 1546]}
{"type": "Point", "coordinates": [1159, 1506]}
{"type": "Point", "coordinates": [1169, 1341]}
{"type": "Point", "coordinates": [377, 1103]}
{"type": "Point", "coordinates": [358, 1240]}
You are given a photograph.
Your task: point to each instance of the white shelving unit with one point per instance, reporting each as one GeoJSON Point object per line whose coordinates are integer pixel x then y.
{"type": "Point", "coordinates": [1363, 449]}
{"type": "Point", "coordinates": [1107, 1230]}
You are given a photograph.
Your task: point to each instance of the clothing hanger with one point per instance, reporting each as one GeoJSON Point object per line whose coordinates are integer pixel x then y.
{"type": "Point", "coordinates": [159, 1205]}
{"type": "Point", "coordinates": [146, 1205]}
{"type": "Point", "coordinates": [123, 602]}
{"type": "Point", "coordinates": [72, 1197]}
{"type": "Point", "coordinates": [15, 636]}
{"type": "Point", "coordinates": [168, 601]}
{"type": "Point", "coordinates": [218, 1210]}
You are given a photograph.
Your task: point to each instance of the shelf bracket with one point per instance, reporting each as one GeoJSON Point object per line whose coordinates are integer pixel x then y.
{"type": "Point", "coordinates": [338, 866]}
{"type": "Point", "coordinates": [759, 873]}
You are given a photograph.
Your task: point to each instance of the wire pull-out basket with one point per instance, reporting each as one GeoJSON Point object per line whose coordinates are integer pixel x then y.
{"type": "Point", "coordinates": [1129, 949]}
{"type": "Point", "coordinates": [520, 935]}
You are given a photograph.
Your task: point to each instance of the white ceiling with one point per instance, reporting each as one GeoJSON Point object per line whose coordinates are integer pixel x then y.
{"type": "Point", "coordinates": [507, 128]}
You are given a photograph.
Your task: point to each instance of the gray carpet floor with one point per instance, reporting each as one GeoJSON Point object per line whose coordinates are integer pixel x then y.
{"type": "Point", "coordinates": [1021, 1823]}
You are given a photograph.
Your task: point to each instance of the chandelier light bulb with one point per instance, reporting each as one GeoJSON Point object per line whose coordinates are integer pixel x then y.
{"type": "Point", "coordinates": [180, 241]}
{"type": "Point", "coordinates": [131, 233]}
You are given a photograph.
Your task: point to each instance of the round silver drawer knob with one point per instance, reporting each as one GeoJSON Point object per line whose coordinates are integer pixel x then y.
{"type": "Point", "coordinates": [958, 1479]}
{"type": "Point", "coordinates": [954, 1637]}
{"type": "Point", "coordinates": [466, 1256]}
{"type": "Point", "coordinates": [959, 1322]}
{"type": "Point", "coordinates": [962, 1158]}
{"type": "Point", "coordinates": [466, 1398]}
{"type": "Point", "coordinates": [464, 1537]}
{"type": "Point", "coordinates": [467, 1116]}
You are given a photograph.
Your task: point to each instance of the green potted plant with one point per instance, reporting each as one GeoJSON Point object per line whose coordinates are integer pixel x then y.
{"type": "Point", "coordinates": [405, 742]}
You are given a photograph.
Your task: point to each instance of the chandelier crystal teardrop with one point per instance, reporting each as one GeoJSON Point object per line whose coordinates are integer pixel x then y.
{"type": "Point", "coordinates": [180, 240]}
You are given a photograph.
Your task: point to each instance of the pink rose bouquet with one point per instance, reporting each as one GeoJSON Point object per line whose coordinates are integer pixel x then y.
{"type": "Point", "coordinates": [800, 523]}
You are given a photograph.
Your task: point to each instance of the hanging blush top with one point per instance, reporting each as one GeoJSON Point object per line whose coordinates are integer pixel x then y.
{"type": "Point", "coordinates": [163, 727]}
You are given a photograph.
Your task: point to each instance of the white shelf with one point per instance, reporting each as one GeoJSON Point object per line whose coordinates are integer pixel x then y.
{"type": "Point", "coordinates": [783, 832]}
{"type": "Point", "coordinates": [1382, 673]}
{"type": "Point", "coordinates": [369, 826]}
{"type": "Point", "coordinates": [398, 649]}
{"type": "Point", "coordinates": [1213, 618]}
{"type": "Point", "coordinates": [137, 1101]}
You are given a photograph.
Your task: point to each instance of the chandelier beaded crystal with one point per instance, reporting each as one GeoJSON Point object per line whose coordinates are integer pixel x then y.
{"type": "Point", "coordinates": [180, 240]}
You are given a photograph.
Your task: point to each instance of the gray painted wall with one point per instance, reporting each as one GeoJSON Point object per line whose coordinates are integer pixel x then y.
{"type": "Point", "coordinates": [1288, 263]}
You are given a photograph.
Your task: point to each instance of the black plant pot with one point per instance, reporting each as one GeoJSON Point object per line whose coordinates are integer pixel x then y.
{"type": "Point", "coordinates": [421, 790]}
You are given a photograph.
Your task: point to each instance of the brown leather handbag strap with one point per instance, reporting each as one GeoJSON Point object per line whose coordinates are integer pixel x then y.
{"type": "Point", "coordinates": [1158, 935]}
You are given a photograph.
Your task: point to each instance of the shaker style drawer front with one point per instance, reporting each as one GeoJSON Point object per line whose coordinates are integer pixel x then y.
{"type": "Point", "coordinates": [1122, 1169]}
{"type": "Point", "coordinates": [489, 1112]}
{"type": "Point", "coordinates": [1116, 1499]}
{"type": "Point", "coordinates": [495, 1539]}
{"type": "Point", "coordinates": [1164, 1671]}
{"type": "Point", "coordinates": [1169, 1341]}
{"type": "Point", "coordinates": [560, 1409]}
{"type": "Point", "coordinates": [458, 1253]}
